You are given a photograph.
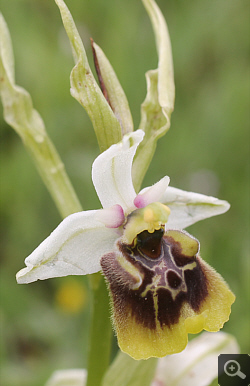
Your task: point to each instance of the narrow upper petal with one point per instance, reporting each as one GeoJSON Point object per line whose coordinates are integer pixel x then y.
{"type": "Point", "coordinates": [111, 172]}
{"type": "Point", "coordinates": [187, 207]}
{"type": "Point", "coordinates": [152, 194]}
{"type": "Point", "coordinates": [75, 247]}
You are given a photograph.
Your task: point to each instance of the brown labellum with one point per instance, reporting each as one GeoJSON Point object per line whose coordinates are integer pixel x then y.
{"type": "Point", "coordinates": [168, 279]}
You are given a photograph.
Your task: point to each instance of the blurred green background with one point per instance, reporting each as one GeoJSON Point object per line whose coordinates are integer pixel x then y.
{"type": "Point", "coordinates": [206, 150]}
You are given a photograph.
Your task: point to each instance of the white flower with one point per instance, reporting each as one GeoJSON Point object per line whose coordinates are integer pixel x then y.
{"type": "Point", "coordinates": [161, 289]}
{"type": "Point", "coordinates": [76, 246]}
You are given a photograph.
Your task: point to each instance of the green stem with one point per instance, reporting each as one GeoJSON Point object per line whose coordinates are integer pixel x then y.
{"type": "Point", "coordinates": [53, 174]}
{"type": "Point", "coordinates": [100, 332]}
{"type": "Point", "coordinates": [99, 346]}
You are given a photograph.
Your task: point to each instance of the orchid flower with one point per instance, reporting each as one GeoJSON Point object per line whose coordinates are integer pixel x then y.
{"type": "Point", "coordinates": [160, 288]}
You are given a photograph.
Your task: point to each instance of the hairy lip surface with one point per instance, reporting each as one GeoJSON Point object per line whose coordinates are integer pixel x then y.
{"type": "Point", "coordinates": [169, 279]}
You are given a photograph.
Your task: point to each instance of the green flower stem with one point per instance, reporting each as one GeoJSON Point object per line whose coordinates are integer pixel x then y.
{"type": "Point", "coordinates": [30, 127]}
{"type": "Point", "coordinates": [54, 175]}
{"type": "Point", "coordinates": [100, 332]}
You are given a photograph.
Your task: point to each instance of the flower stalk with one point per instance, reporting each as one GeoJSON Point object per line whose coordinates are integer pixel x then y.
{"type": "Point", "coordinates": [100, 331]}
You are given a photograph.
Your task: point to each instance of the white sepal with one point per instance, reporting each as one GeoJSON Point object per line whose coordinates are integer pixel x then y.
{"type": "Point", "coordinates": [188, 208]}
{"type": "Point", "coordinates": [111, 172]}
{"type": "Point", "coordinates": [75, 247]}
{"type": "Point", "coordinates": [112, 217]}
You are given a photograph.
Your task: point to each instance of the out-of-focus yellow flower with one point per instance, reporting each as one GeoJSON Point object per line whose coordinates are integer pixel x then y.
{"type": "Point", "coordinates": [71, 296]}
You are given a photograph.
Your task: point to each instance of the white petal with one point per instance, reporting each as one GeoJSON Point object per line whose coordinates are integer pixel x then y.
{"type": "Point", "coordinates": [197, 365]}
{"type": "Point", "coordinates": [73, 248]}
{"type": "Point", "coordinates": [112, 217]}
{"type": "Point", "coordinates": [152, 194]}
{"type": "Point", "coordinates": [187, 207]}
{"type": "Point", "coordinates": [111, 172]}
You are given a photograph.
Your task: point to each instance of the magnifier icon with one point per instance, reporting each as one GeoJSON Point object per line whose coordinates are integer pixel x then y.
{"type": "Point", "coordinates": [234, 369]}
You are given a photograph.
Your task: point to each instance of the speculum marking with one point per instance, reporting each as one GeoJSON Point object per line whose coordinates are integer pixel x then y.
{"type": "Point", "coordinates": [170, 280]}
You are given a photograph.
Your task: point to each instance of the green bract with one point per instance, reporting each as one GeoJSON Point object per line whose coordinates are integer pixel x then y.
{"type": "Point", "coordinates": [111, 118]}
{"type": "Point", "coordinates": [114, 92]}
{"type": "Point", "coordinates": [159, 103]}
{"type": "Point", "coordinates": [85, 89]}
